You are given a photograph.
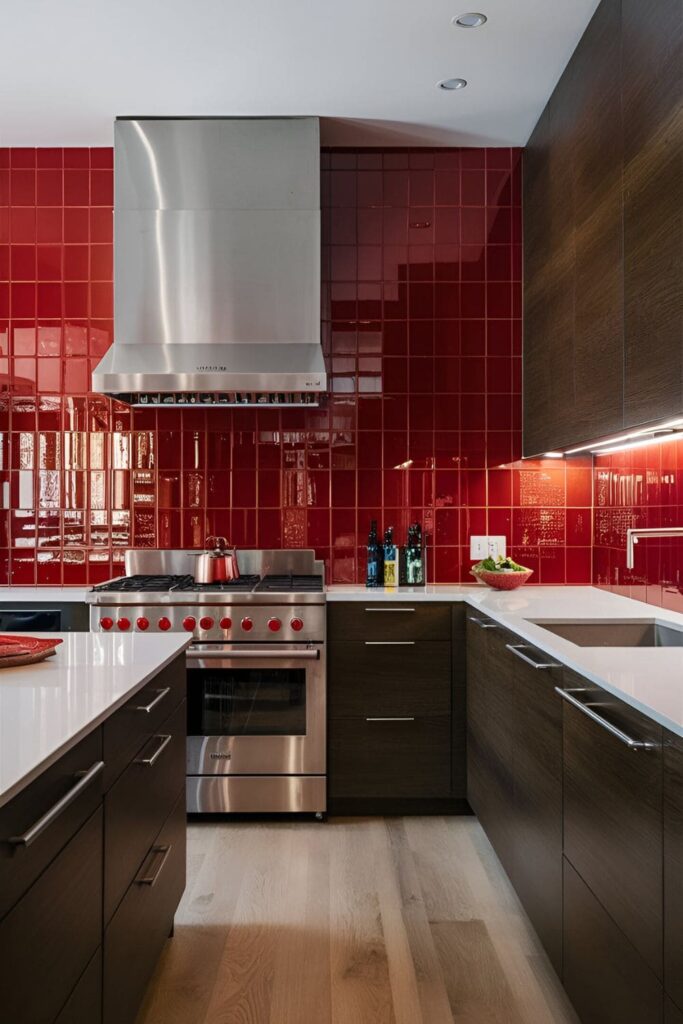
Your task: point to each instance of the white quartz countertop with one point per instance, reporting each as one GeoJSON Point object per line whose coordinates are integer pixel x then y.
{"type": "Point", "coordinates": [46, 708]}
{"type": "Point", "coordinates": [649, 679]}
{"type": "Point", "coordinates": [43, 595]}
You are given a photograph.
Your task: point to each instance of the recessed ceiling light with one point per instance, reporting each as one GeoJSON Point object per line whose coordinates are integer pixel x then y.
{"type": "Point", "coordinates": [472, 20]}
{"type": "Point", "coordinates": [452, 83]}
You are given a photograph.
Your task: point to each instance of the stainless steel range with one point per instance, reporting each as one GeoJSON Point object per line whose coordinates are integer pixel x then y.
{"type": "Point", "coordinates": [255, 672]}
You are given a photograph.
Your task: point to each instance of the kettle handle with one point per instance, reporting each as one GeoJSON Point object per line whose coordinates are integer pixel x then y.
{"type": "Point", "coordinates": [217, 542]}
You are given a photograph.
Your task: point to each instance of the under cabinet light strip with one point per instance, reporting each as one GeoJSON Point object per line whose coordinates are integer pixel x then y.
{"type": "Point", "coordinates": [596, 447]}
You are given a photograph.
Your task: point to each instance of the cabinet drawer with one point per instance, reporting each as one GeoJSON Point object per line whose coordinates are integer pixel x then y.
{"type": "Point", "coordinates": [21, 865]}
{"type": "Point", "coordinates": [390, 759]}
{"type": "Point", "coordinates": [389, 678]}
{"type": "Point", "coordinates": [606, 979]}
{"type": "Point", "coordinates": [613, 813]}
{"type": "Point", "coordinates": [388, 620]}
{"type": "Point", "coordinates": [136, 934]}
{"type": "Point", "coordinates": [53, 932]}
{"type": "Point", "coordinates": [84, 1005]}
{"type": "Point", "coordinates": [138, 804]}
{"type": "Point", "coordinates": [133, 725]}
{"type": "Point", "coordinates": [672, 1015]}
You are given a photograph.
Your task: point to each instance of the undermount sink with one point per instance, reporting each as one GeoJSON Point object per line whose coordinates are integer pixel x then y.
{"type": "Point", "coordinates": [616, 634]}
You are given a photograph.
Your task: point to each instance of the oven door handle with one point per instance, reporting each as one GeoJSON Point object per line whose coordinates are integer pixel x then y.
{"type": "Point", "coordinates": [251, 655]}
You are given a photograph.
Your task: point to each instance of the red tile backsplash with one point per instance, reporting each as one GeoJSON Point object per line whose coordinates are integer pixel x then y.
{"type": "Point", "coordinates": [642, 487]}
{"type": "Point", "coordinates": [421, 325]}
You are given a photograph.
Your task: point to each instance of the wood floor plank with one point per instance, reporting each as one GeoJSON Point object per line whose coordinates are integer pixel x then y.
{"type": "Point", "coordinates": [358, 921]}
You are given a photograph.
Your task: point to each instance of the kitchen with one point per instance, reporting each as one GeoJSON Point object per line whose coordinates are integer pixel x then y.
{"type": "Point", "coordinates": [277, 370]}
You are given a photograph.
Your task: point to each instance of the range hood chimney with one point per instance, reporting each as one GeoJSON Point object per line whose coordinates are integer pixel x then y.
{"type": "Point", "coordinates": [216, 263]}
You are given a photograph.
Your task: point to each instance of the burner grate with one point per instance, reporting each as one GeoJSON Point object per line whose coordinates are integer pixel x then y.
{"type": "Point", "coordinates": [288, 583]}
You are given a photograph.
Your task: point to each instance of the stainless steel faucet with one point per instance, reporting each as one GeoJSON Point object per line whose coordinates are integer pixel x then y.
{"type": "Point", "coordinates": [634, 535]}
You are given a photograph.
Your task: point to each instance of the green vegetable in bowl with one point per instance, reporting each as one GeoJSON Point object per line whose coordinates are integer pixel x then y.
{"type": "Point", "coordinates": [498, 564]}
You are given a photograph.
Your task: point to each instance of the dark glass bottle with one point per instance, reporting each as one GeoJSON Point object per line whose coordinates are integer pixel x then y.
{"type": "Point", "coordinates": [414, 557]}
{"type": "Point", "coordinates": [375, 568]}
{"type": "Point", "coordinates": [390, 559]}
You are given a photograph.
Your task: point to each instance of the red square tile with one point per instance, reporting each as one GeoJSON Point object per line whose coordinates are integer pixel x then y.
{"type": "Point", "coordinates": [48, 225]}
{"type": "Point", "coordinates": [76, 187]}
{"type": "Point", "coordinates": [49, 187]}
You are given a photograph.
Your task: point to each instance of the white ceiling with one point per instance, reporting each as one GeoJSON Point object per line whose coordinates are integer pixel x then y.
{"type": "Point", "coordinates": [369, 68]}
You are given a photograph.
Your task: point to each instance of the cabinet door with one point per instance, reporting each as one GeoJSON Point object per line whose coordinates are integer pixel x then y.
{"type": "Point", "coordinates": [490, 790]}
{"type": "Point", "coordinates": [84, 1005]}
{"type": "Point", "coordinates": [652, 38]}
{"type": "Point", "coordinates": [672, 1015]}
{"type": "Point", "coordinates": [537, 770]}
{"type": "Point", "coordinates": [673, 867]}
{"type": "Point", "coordinates": [388, 678]}
{"type": "Point", "coordinates": [53, 932]}
{"type": "Point", "coordinates": [605, 978]}
{"type": "Point", "coordinates": [613, 813]}
{"type": "Point", "coordinates": [598, 230]}
{"type": "Point", "coordinates": [136, 934]}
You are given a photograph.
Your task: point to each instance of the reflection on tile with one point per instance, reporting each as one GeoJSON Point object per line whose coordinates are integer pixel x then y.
{"type": "Point", "coordinates": [421, 304]}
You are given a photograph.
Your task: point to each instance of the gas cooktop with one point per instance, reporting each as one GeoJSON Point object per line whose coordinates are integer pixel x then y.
{"type": "Point", "coordinates": [287, 583]}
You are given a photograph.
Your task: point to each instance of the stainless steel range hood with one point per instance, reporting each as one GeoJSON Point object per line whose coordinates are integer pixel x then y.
{"type": "Point", "coordinates": [216, 262]}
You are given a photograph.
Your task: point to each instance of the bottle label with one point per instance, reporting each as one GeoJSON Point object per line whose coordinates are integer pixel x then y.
{"type": "Point", "coordinates": [390, 574]}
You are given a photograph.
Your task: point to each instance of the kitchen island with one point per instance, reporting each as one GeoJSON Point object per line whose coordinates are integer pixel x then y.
{"type": "Point", "coordinates": [92, 825]}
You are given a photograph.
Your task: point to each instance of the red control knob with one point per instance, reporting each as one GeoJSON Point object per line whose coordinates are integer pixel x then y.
{"type": "Point", "coordinates": [206, 622]}
{"type": "Point", "coordinates": [189, 622]}
{"type": "Point", "coordinates": [274, 625]}
{"type": "Point", "coordinates": [226, 623]}
{"type": "Point", "coordinates": [143, 623]}
{"type": "Point", "coordinates": [106, 622]}
{"type": "Point", "coordinates": [247, 625]}
{"type": "Point", "coordinates": [164, 623]}
{"type": "Point", "coordinates": [297, 625]}
{"type": "Point", "coordinates": [123, 623]}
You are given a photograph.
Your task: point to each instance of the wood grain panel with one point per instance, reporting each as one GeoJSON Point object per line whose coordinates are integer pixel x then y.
{"type": "Point", "coordinates": [389, 680]}
{"type": "Point", "coordinates": [653, 200]}
{"type": "Point", "coordinates": [613, 815]}
{"type": "Point", "coordinates": [388, 620]}
{"type": "Point", "coordinates": [607, 981]}
{"type": "Point", "coordinates": [673, 867]}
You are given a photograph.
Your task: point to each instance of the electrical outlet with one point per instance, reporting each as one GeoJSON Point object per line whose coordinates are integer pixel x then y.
{"type": "Point", "coordinates": [487, 547]}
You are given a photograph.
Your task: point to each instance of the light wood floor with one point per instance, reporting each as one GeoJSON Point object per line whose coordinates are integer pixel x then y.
{"type": "Point", "coordinates": [356, 921]}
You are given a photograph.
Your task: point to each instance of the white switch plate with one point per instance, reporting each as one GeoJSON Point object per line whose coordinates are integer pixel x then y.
{"type": "Point", "coordinates": [487, 547]}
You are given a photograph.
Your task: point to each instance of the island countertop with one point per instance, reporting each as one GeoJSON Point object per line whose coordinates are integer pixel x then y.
{"type": "Point", "coordinates": [46, 708]}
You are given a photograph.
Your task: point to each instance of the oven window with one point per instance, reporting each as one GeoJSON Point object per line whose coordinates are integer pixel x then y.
{"type": "Point", "coordinates": [247, 702]}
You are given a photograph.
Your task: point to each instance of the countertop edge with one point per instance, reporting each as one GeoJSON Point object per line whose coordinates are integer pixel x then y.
{"type": "Point", "coordinates": [20, 784]}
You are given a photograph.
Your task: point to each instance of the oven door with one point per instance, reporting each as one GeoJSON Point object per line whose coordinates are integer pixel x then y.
{"type": "Point", "coordinates": [255, 710]}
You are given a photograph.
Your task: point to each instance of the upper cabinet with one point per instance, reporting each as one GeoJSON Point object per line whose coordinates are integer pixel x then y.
{"type": "Point", "coordinates": [603, 235]}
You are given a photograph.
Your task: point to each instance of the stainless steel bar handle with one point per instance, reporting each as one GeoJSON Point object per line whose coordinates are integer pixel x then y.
{"type": "Point", "coordinates": [251, 655]}
{"type": "Point", "coordinates": [160, 854]}
{"type": "Point", "coordinates": [599, 720]}
{"type": "Point", "coordinates": [38, 827]}
{"type": "Point", "coordinates": [390, 718]}
{"type": "Point", "coordinates": [153, 703]}
{"type": "Point", "coordinates": [399, 610]}
{"type": "Point", "coordinates": [518, 649]}
{"type": "Point", "coordinates": [151, 761]}
{"type": "Point", "coordinates": [482, 624]}
{"type": "Point", "coordinates": [389, 643]}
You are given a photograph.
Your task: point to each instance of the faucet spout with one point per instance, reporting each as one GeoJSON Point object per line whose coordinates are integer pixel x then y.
{"type": "Point", "coordinates": [634, 535]}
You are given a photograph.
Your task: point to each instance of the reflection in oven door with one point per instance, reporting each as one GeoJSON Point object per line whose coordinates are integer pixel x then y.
{"type": "Point", "coordinates": [248, 702]}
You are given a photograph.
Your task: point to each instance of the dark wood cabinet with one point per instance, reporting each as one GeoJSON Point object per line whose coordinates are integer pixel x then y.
{"type": "Point", "coordinates": [515, 768]}
{"type": "Point", "coordinates": [87, 903]}
{"type": "Point", "coordinates": [396, 702]}
{"type": "Point", "coordinates": [603, 236]}
{"type": "Point", "coordinates": [652, 56]}
{"type": "Point", "coordinates": [84, 1005]}
{"type": "Point", "coordinates": [53, 931]}
{"type": "Point", "coordinates": [537, 797]}
{"type": "Point", "coordinates": [672, 1015]}
{"type": "Point", "coordinates": [606, 979]}
{"type": "Point", "coordinates": [20, 866]}
{"type": "Point", "coordinates": [613, 813]}
{"type": "Point", "coordinates": [673, 867]}
{"type": "Point", "coordinates": [136, 934]}
{"type": "Point", "coordinates": [490, 785]}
